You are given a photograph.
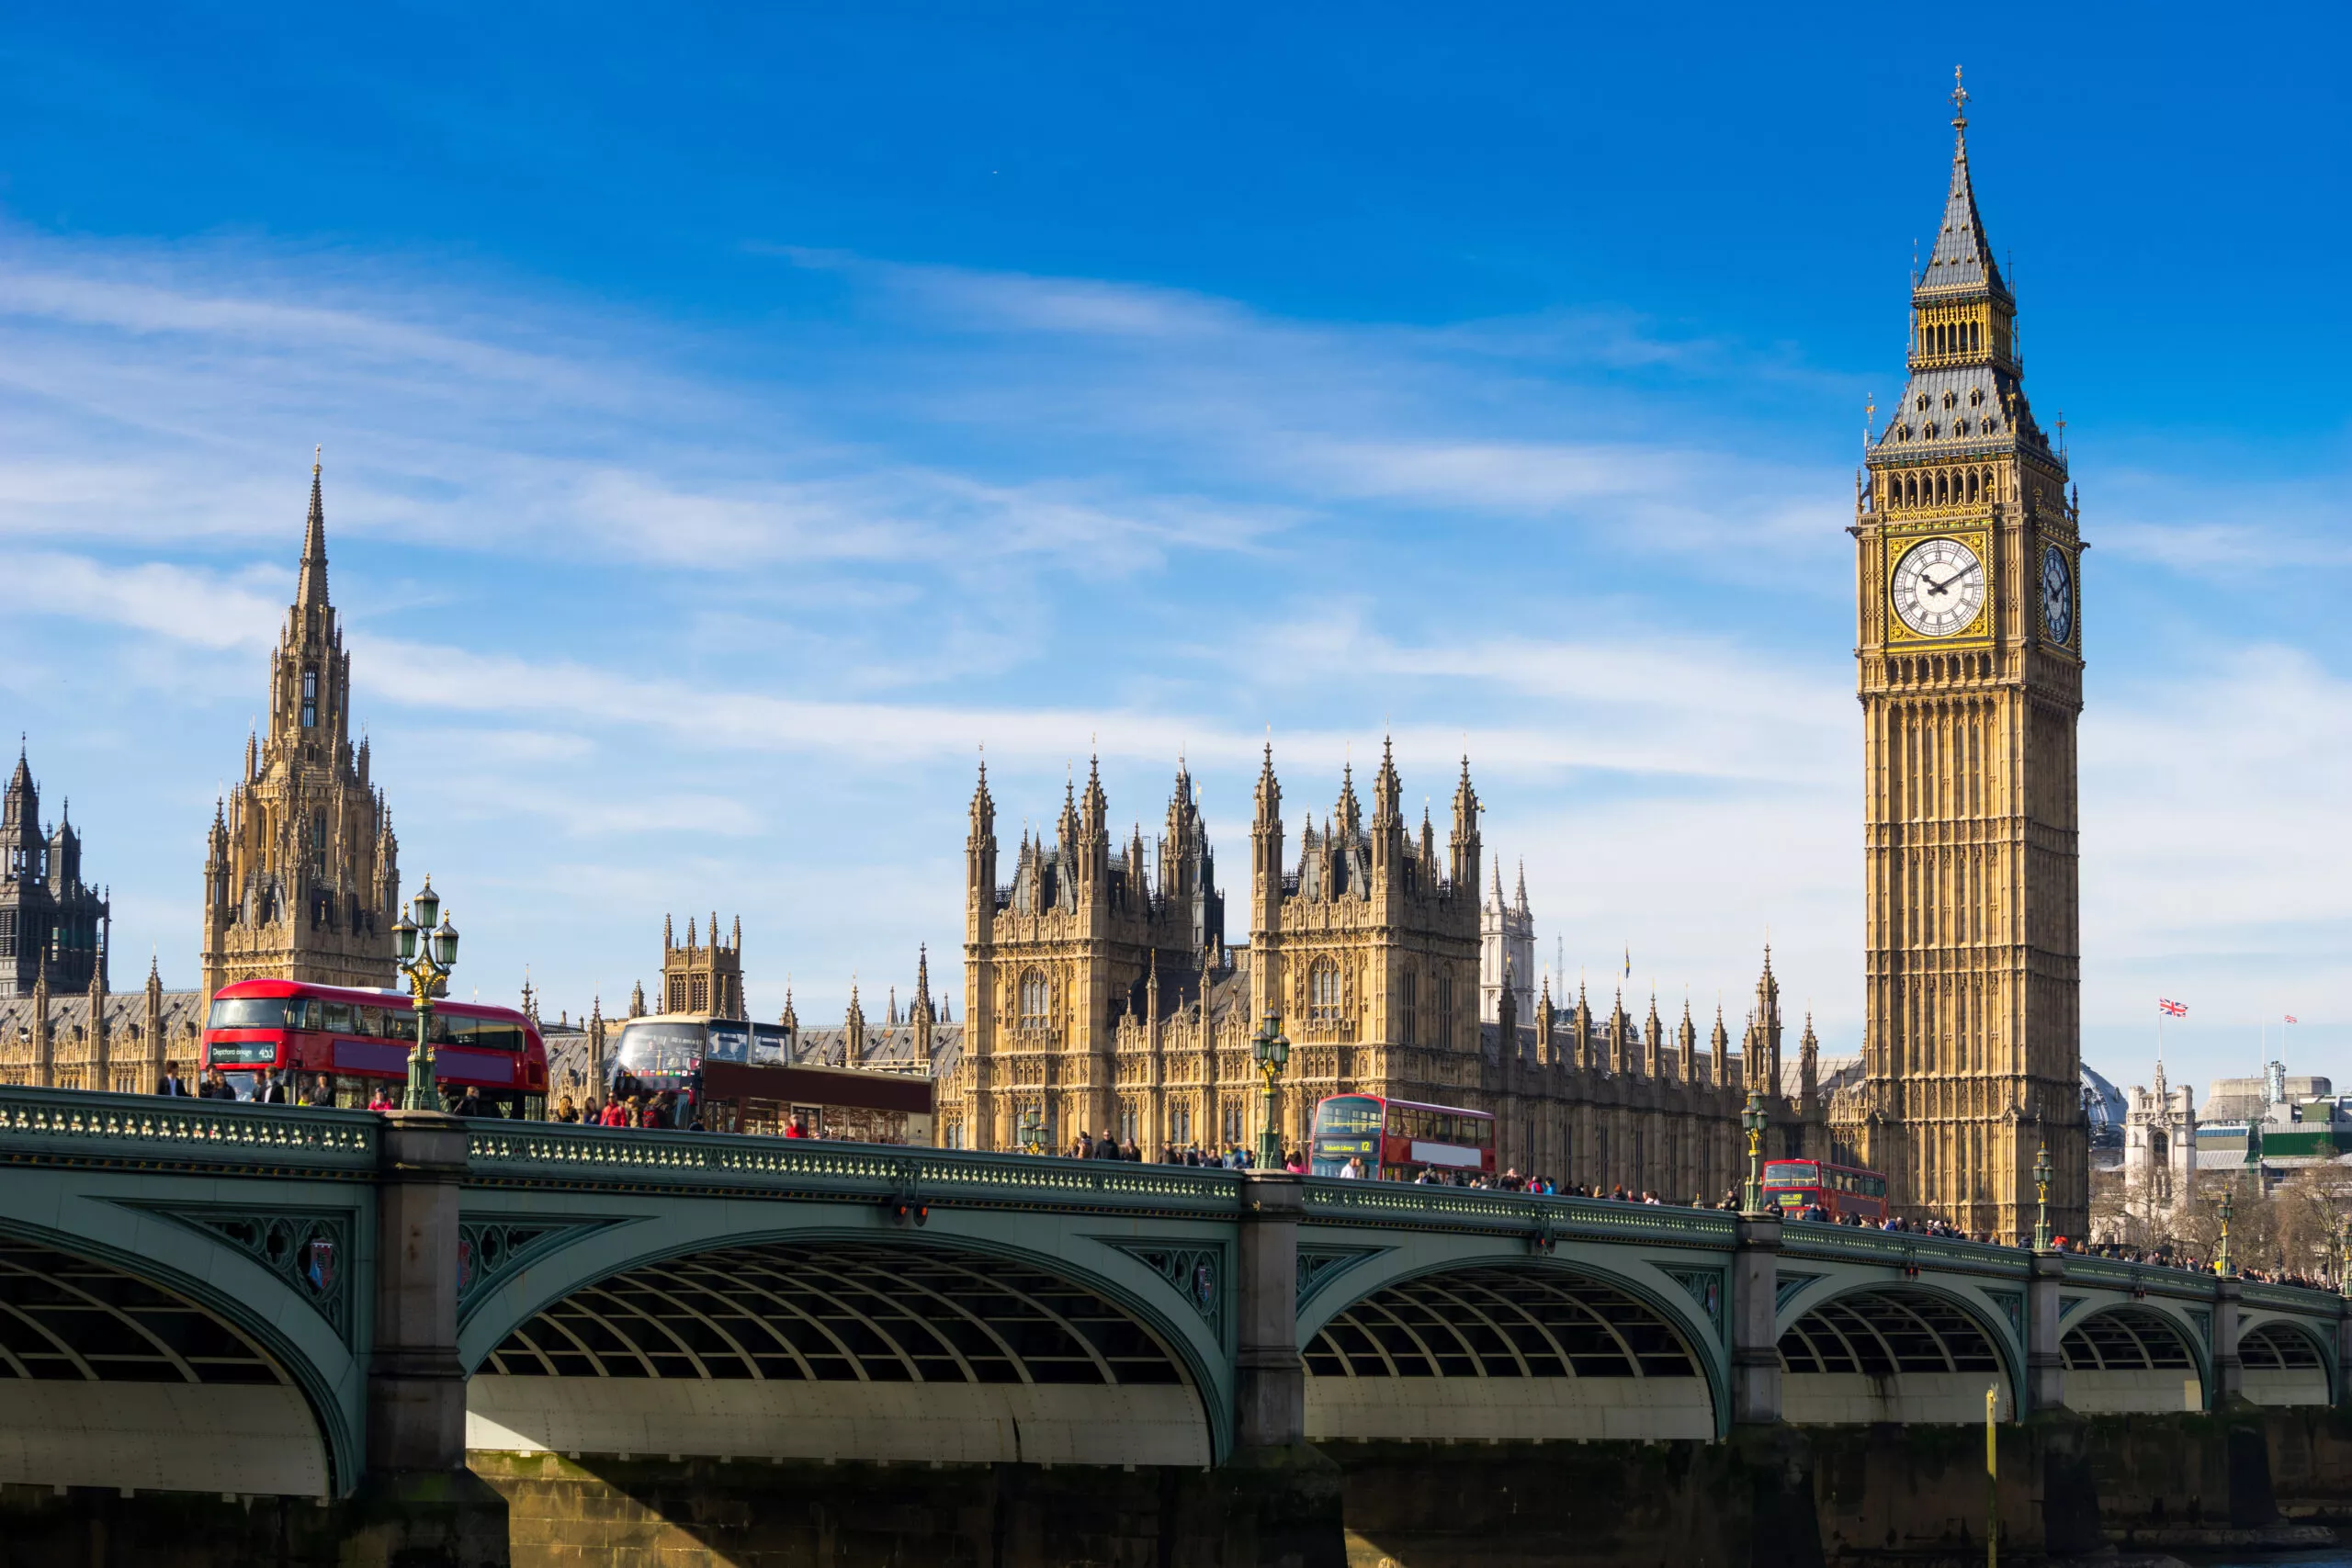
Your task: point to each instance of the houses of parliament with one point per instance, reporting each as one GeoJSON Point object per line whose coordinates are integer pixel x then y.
{"type": "Point", "coordinates": [1103, 991]}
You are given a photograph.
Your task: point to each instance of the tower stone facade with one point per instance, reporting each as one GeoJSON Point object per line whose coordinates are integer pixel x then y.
{"type": "Point", "coordinates": [1100, 998]}
{"type": "Point", "coordinates": [1081, 937]}
{"type": "Point", "coordinates": [2159, 1152]}
{"type": "Point", "coordinates": [1368, 949]}
{"type": "Point", "coordinates": [1969, 676]}
{"type": "Point", "coordinates": [703, 976]}
{"type": "Point", "coordinates": [1506, 950]}
{"type": "Point", "coordinates": [51, 922]}
{"type": "Point", "coordinates": [301, 874]}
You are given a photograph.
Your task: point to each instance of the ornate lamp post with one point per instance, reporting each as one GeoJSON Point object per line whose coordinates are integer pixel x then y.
{"type": "Point", "coordinates": [2221, 1265]}
{"type": "Point", "coordinates": [426, 963]}
{"type": "Point", "coordinates": [2344, 1255]}
{"type": "Point", "coordinates": [1270, 1050]}
{"type": "Point", "coordinates": [1753, 1121]}
{"type": "Point", "coordinates": [1030, 1134]}
{"type": "Point", "coordinates": [2042, 1199]}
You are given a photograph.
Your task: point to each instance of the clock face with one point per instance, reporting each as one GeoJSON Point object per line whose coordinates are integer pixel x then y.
{"type": "Point", "coordinates": [2057, 595]}
{"type": "Point", "coordinates": [1939, 587]}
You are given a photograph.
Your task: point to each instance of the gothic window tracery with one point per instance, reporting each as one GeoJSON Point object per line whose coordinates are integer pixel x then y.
{"type": "Point", "coordinates": [1323, 991]}
{"type": "Point", "coordinates": [1035, 996]}
{"type": "Point", "coordinates": [310, 699]}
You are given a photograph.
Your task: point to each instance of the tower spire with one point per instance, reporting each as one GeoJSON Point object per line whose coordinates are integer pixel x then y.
{"type": "Point", "coordinates": [312, 587]}
{"type": "Point", "coordinates": [1961, 258]}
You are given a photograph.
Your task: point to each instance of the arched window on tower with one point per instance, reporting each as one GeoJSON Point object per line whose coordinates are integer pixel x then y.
{"type": "Point", "coordinates": [1035, 994]}
{"type": "Point", "coordinates": [1408, 1003]}
{"type": "Point", "coordinates": [1323, 991]}
{"type": "Point", "coordinates": [310, 699]}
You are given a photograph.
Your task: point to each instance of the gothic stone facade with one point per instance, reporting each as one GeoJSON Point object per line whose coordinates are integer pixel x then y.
{"type": "Point", "coordinates": [1969, 674]}
{"type": "Point", "coordinates": [100, 1041]}
{"type": "Point", "coordinates": [302, 877]}
{"type": "Point", "coordinates": [52, 924]}
{"type": "Point", "coordinates": [1098, 1000]}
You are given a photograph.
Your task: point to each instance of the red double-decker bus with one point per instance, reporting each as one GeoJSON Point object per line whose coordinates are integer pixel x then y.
{"type": "Point", "coordinates": [1398, 1139]}
{"type": "Point", "coordinates": [358, 1040]}
{"type": "Point", "coordinates": [1839, 1189]}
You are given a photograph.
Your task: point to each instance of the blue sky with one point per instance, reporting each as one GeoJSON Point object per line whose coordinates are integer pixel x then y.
{"type": "Point", "coordinates": [735, 419]}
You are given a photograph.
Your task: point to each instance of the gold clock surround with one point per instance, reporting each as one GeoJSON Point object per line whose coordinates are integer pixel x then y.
{"type": "Point", "coordinates": [1978, 538]}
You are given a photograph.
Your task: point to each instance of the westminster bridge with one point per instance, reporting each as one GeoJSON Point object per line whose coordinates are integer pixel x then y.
{"type": "Point", "coordinates": [286, 1302]}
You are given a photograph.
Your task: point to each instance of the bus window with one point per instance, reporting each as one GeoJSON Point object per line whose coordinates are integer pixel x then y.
{"type": "Point", "coordinates": [248, 1012]}
{"type": "Point", "coordinates": [665, 1049]}
{"type": "Point", "coordinates": [1348, 1115]}
{"type": "Point", "coordinates": [338, 1018]}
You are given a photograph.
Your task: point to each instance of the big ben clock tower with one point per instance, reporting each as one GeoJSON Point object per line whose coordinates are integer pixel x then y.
{"type": "Point", "coordinates": [1970, 681]}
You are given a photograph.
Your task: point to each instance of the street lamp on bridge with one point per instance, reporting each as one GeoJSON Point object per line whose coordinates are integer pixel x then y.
{"type": "Point", "coordinates": [2042, 1199]}
{"type": "Point", "coordinates": [426, 963]}
{"type": "Point", "coordinates": [1272, 1052]}
{"type": "Point", "coordinates": [1754, 1121]}
{"type": "Point", "coordinates": [2222, 1264]}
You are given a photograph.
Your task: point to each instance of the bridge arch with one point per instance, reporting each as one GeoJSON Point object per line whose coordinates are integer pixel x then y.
{"type": "Point", "coordinates": [199, 1389]}
{"type": "Point", "coordinates": [2283, 1361]}
{"type": "Point", "coordinates": [1508, 1347]}
{"type": "Point", "coordinates": [852, 1346]}
{"type": "Point", "coordinates": [1903, 1353]}
{"type": "Point", "coordinates": [2129, 1359]}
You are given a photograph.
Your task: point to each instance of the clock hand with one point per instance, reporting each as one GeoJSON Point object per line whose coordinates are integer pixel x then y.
{"type": "Point", "coordinates": [1935, 587]}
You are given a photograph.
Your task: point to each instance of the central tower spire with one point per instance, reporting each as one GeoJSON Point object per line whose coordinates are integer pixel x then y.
{"type": "Point", "coordinates": [311, 590]}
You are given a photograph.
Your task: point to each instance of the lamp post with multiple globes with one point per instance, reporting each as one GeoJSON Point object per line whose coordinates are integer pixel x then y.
{"type": "Point", "coordinates": [1270, 1051]}
{"type": "Point", "coordinates": [428, 952]}
{"type": "Point", "coordinates": [1753, 1121]}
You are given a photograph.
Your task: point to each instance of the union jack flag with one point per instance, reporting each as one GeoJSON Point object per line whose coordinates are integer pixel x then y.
{"type": "Point", "coordinates": [2291, 1017]}
{"type": "Point", "coordinates": [2172, 1009]}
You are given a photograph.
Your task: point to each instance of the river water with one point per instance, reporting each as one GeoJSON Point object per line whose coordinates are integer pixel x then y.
{"type": "Point", "coordinates": [2326, 1557]}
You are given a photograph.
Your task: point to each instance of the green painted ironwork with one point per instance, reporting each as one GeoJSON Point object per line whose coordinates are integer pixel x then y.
{"type": "Point", "coordinates": [546, 1153]}
{"type": "Point", "coordinates": [1197, 1271]}
{"type": "Point", "coordinates": [492, 1247]}
{"type": "Point", "coordinates": [145, 1131]}
{"type": "Point", "coordinates": [1319, 1266]}
{"type": "Point", "coordinates": [1706, 1288]}
{"type": "Point", "coordinates": [1788, 1286]}
{"type": "Point", "coordinates": [309, 1250]}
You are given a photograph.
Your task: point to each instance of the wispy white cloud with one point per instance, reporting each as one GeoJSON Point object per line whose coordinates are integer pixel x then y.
{"type": "Point", "coordinates": [209, 609]}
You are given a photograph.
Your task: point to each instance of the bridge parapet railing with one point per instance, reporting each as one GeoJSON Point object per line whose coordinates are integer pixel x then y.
{"type": "Point", "coordinates": [511, 1154]}
{"type": "Point", "coordinates": [2301, 1299]}
{"type": "Point", "coordinates": [1334, 1200]}
{"type": "Point", "coordinates": [2141, 1279]}
{"type": "Point", "coordinates": [41, 1126]}
{"type": "Point", "coordinates": [1905, 1250]}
